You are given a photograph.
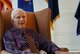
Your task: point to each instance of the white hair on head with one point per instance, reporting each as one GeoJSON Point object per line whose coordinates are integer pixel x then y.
{"type": "Point", "coordinates": [13, 12]}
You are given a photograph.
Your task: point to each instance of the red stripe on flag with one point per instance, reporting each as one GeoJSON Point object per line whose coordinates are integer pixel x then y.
{"type": "Point", "coordinates": [8, 2]}
{"type": "Point", "coordinates": [1, 5]}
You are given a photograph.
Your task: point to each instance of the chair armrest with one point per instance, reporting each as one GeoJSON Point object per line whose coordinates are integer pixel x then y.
{"type": "Point", "coordinates": [64, 49]}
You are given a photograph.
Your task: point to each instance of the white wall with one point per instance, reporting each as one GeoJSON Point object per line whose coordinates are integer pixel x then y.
{"type": "Point", "coordinates": [14, 4]}
{"type": "Point", "coordinates": [39, 5]}
{"type": "Point", "coordinates": [64, 34]}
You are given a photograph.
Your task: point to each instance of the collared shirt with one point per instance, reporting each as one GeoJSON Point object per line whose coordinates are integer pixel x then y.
{"type": "Point", "coordinates": [16, 43]}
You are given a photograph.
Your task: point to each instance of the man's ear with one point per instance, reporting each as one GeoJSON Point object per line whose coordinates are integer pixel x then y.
{"type": "Point", "coordinates": [12, 21]}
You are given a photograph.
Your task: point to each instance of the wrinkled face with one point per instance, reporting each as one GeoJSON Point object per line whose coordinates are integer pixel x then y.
{"type": "Point", "coordinates": [19, 19]}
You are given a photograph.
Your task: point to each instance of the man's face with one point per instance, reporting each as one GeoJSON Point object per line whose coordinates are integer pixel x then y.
{"type": "Point", "coordinates": [19, 19]}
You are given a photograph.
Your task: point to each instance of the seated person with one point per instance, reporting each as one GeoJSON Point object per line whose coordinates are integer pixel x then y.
{"type": "Point", "coordinates": [19, 40]}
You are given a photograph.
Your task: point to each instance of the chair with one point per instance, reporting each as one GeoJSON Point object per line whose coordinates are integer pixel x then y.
{"type": "Point", "coordinates": [36, 21]}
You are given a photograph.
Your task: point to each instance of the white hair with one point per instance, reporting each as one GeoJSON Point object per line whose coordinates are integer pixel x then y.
{"type": "Point", "coordinates": [15, 10]}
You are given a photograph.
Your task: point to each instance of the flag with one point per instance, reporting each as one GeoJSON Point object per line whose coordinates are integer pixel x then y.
{"type": "Point", "coordinates": [77, 15]}
{"type": "Point", "coordinates": [1, 5]}
{"type": "Point", "coordinates": [26, 5]}
{"type": "Point", "coordinates": [7, 3]}
{"type": "Point", "coordinates": [53, 5]}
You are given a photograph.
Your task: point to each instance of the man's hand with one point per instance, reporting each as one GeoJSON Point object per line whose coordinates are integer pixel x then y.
{"type": "Point", "coordinates": [42, 52]}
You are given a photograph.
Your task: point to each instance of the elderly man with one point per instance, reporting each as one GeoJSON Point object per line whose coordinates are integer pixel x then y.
{"type": "Point", "coordinates": [19, 40]}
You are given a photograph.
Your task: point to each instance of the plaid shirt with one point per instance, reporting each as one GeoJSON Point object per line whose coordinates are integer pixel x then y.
{"type": "Point", "coordinates": [16, 43]}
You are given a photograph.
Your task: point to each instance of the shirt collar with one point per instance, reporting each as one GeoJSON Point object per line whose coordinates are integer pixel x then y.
{"type": "Point", "coordinates": [18, 31]}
